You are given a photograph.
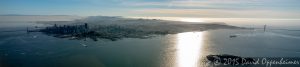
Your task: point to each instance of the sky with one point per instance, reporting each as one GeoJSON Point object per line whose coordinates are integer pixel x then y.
{"type": "Point", "coordinates": [156, 8]}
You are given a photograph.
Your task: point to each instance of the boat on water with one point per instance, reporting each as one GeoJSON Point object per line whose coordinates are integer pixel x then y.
{"type": "Point", "coordinates": [233, 36]}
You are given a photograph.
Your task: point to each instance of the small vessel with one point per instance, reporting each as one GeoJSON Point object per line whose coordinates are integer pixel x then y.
{"type": "Point", "coordinates": [83, 45]}
{"type": "Point", "coordinates": [233, 36]}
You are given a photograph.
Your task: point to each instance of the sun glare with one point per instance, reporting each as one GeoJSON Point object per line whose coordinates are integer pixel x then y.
{"type": "Point", "coordinates": [192, 20]}
{"type": "Point", "coordinates": [189, 48]}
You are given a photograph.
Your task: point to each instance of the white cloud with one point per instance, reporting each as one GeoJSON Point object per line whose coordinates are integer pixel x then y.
{"type": "Point", "coordinates": [219, 13]}
{"type": "Point", "coordinates": [209, 4]}
{"type": "Point", "coordinates": [215, 8]}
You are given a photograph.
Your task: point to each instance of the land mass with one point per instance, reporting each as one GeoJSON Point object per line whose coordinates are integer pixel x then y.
{"type": "Point", "coordinates": [116, 28]}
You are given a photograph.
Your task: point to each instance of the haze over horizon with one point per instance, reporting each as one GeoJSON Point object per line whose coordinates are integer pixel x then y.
{"type": "Point", "coordinates": [156, 8]}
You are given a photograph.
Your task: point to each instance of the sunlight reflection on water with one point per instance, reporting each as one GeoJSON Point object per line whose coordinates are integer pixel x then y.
{"type": "Point", "coordinates": [188, 48]}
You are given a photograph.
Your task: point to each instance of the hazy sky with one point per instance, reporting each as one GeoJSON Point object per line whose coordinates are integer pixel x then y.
{"type": "Point", "coordinates": [156, 8]}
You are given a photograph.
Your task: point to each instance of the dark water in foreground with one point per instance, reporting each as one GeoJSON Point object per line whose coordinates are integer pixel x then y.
{"type": "Point", "coordinates": [21, 49]}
